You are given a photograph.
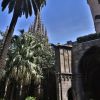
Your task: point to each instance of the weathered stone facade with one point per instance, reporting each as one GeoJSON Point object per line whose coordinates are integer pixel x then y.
{"type": "Point", "coordinates": [78, 52]}
{"type": "Point", "coordinates": [68, 74]}
{"type": "Point", "coordinates": [95, 10]}
{"type": "Point", "coordinates": [63, 70]}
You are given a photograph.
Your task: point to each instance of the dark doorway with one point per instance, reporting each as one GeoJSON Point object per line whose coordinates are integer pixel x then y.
{"type": "Point", "coordinates": [70, 94]}
{"type": "Point", "coordinates": [49, 85]}
{"type": "Point", "coordinates": [89, 67]}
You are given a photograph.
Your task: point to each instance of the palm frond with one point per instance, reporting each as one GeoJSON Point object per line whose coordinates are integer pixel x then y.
{"type": "Point", "coordinates": [25, 8]}
{"type": "Point", "coordinates": [5, 4]}
{"type": "Point", "coordinates": [29, 7]}
{"type": "Point", "coordinates": [34, 7]}
{"type": "Point", "coordinates": [18, 8]}
{"type": "Point", "coordinates": [11, 5]}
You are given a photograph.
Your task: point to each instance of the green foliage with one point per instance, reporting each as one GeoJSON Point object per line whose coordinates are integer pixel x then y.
{"type": "Point", "coordinates": [2, 99]}
{"type": "Point", "coordinates": [28, 56]}
{"type": "Point", "coordinates": [2, 38]}
{"type": "Point", "coordinates": [21, 60]}
{"type": "Point", "coordinates": [43, 52]}
{"type": "Point", "coordinates": [88, 37]}
{"type": "Point", "coordinates": [29, 59]}
{"type": "Point", "coordinates": [30, 98]}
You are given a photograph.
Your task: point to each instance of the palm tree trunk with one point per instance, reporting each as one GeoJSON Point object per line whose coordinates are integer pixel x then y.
{"type": "Point", "coordinates": [7, 41]}
{"type": "Point", "coordinates": [37, 92]}
{"type": "Point", "coordinates": [6, 87]}
{"type": "Point", "coordinates": [20, 92]}
{"type": "Point", "coordinates": [12, 92]}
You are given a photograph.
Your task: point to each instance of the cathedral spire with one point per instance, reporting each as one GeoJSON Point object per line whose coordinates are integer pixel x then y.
{"type": "Point", "coordinates": [37, 26]}
{"type": "Point", "coordinates": [45, 33]}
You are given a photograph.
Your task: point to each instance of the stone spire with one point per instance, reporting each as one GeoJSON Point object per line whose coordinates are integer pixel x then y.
{"type": "Point", "coordinates": [45, 33]}
{"type": "Point", "coordinates": [37, 27]}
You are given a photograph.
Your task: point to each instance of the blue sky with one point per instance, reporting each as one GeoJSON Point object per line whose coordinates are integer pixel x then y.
{"type": "Point", "coordinates": [64, 19]}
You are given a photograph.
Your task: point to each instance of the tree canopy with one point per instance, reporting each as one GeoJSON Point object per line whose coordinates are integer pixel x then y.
{"type": "Point", "coordinates": [27, 58]}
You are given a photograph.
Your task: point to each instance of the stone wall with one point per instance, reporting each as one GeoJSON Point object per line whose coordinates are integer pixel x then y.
{"type": "Point", "coordinates": [77, 52]}
{"type": "Point", "coordinates": [63, 70]}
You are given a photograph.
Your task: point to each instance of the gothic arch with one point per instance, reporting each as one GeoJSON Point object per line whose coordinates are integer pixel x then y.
{"type": "Point", "coordinates": [89, 67]}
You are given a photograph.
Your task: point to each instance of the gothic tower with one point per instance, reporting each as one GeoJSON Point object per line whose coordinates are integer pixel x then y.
{"type": "Point", "coordinates": [95, 10]}
{"type": "Point", "coordinates": [63, 71]}
{"type": "Point", "coordinates": [37, 26]}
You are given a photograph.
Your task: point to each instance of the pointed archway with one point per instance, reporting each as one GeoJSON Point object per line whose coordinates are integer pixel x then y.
{"type": "Point", "coordinates": [89, 66]}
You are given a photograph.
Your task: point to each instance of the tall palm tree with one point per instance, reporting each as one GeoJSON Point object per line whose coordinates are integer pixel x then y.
{"type": "Point", "coordinates": [19, 8]}
{"type": "Point", "coordinates": [22, 56]}
{"type": "Point", "coordinates": [21, 62]}
{"type": "Point", "coordinates": [29, 57]}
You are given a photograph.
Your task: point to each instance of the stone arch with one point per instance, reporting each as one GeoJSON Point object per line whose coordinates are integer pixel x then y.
{"type": "Point", "coordinates": [89, 67]}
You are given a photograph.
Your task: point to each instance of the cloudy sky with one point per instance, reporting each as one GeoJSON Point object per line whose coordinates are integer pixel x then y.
{"type": "Point", "coordinates": [64, 19]}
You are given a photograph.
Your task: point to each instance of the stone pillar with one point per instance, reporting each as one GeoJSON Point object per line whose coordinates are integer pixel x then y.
{"type": "Point", "coordinates": [95, 11]}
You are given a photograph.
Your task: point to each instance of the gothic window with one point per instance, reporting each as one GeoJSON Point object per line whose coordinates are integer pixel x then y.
{"type": "Point", "coordinates": [99, 1]}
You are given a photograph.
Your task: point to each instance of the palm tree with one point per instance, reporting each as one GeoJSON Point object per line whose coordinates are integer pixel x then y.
{"type": "Point", "coordinates": [21, 62]}
{"type": "Point", "coordinates": [18, 7]}
{"type": "Point", "coordinates": [29, 57]}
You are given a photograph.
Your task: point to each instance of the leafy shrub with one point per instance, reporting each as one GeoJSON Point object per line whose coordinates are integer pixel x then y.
{"type": "Point", "coordinates": [30, 98]}
{"type": "Point", "coordinates": [2, 99]}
